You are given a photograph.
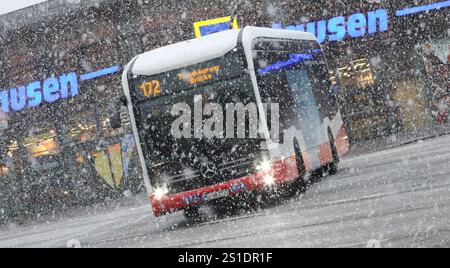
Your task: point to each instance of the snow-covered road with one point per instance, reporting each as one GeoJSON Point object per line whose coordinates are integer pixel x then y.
{"type": "Point", "coordinates": [400, 197]}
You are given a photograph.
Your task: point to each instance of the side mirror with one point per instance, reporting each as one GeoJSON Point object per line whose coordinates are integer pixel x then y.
{"type": "Point", "coordinates": [116, 106]}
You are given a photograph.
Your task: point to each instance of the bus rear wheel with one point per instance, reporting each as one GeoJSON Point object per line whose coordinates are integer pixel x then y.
{"type": "Point", "coordinates": [333, 166]}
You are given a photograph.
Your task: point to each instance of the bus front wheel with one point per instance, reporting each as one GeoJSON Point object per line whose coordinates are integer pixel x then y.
{"type": "Point", "coordinates": [301, 180]}
{"type": "Point", "coordinates": [192, 214]}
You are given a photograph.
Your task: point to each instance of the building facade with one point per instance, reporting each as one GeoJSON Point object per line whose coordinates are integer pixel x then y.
{"type": "Point", "coordinates": [60, 66]}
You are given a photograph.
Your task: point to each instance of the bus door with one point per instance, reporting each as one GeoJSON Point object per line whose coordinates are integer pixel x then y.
{"type": "Point", "coordinates": [307, 110]}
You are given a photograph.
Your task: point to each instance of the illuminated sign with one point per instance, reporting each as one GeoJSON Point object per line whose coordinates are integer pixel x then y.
{"type": "Point", "coordinates": [50, 90]}
{"type": "Point", "coordinates": [199, 76]}
{"type": "Point", "coordinates": [420, 9]}
{"type": "Point", "coordinates": [151, 88]}
{"type": "Point", "coordinates": [357, 25]}
{"type": "Point", "coordinates": [337, 28]}
{"type": "Point", "coordinates": [207, 27]}
{"type": "Point", "coordinates": [334, 29]}
{"type": "Point", "coordinates": [179, 80]}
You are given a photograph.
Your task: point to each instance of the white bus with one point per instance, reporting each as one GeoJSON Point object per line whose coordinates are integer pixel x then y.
{"type": "Point", "coordinates": [250, 65]}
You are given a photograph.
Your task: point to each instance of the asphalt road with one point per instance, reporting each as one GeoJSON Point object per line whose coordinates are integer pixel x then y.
{"type": "Point", "coordinates": [398, 198]}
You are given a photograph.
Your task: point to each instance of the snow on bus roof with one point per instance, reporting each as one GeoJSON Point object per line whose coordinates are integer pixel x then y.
{"type": "Point", "coordinates": [185, 53]}
{"type": "Point", "coordinates": [198, 50]}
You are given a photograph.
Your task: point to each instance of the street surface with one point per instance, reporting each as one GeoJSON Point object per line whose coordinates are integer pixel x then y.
{"type": "Point", "coordinates": [398, 197]}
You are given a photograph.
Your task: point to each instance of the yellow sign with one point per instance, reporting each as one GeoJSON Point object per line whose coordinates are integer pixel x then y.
{"type": "Point", "coordinates": [206, 27]}
{"type": "Point", "coordinates": [115, 157]}
{"type": "Point", "coordinates": [110, 168]}
{"type": "Point", "coordinates": [151, 88]}
{"type": "Point", "coordinates": [103, 168]}
{"type": "Point", "coordinates": [200, 75]}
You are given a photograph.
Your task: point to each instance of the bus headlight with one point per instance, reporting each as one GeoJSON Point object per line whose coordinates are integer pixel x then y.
{"type": "Point", "coordinates": [269, 180]}
{"type": "Point", "coordinates": [160, 192]}
{"type": "Point", "coordinates": [264, 166]}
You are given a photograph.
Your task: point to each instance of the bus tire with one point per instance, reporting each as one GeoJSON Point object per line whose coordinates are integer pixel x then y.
{"type": "Point", "coordinates": [192, 214]}
{"type": "Point", "coordinates": [301, 180]}
{"type": "Point", "coordinates": [226, 209]}
{"type": "Point", "coordinates": [333, 166]}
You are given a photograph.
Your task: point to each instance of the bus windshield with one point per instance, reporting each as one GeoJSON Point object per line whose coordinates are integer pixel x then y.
{"type": "Point", "coordinates": [169, 160]}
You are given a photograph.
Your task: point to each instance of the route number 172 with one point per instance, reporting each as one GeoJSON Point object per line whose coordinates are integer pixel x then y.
{"type": "Point", "coordinates": [151, 88]}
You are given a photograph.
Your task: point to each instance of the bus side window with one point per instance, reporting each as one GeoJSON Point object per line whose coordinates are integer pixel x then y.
{"type": "Point", "coordinates": [325, 94]}
{"type": "Point", "coordinates": [274, 90]}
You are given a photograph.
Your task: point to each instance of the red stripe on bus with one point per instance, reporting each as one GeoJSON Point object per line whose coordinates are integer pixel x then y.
{"type": "Point", "coordinates": [282, 172]}
{"type": "Point", "coordinates": [342, 142]}
{"type": "Point", "coordinates": [307, 161]}
{"type": "Point", "coordinates": [325, 154]}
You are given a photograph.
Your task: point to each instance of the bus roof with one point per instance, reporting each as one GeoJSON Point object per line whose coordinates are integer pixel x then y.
{"type": "Point", "coordinates": [198, 50]}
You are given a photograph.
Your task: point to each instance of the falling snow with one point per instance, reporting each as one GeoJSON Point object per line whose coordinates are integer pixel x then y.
{"type": "Point", "coordinates": [79, 168]}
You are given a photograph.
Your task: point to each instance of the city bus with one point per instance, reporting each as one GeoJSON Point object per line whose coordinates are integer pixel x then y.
{"type": "Point", "coordinates": [300, 132]}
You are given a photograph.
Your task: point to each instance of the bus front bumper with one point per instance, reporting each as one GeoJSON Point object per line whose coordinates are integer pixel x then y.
{"type": "Point", "coordinates": [281, 172]}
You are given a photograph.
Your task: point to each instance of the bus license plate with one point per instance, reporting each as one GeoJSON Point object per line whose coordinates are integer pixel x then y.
{"type": "Point", "coordinates": [216, 195]}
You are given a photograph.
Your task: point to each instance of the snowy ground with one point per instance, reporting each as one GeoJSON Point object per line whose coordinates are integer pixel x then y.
{"type": "Point", "coordinates": [400, 197]}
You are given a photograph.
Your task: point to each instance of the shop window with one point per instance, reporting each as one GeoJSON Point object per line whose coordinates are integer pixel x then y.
{"type": "Point", "coordinates": [368, 113]}
{"type": "Point", "coordinates": [363, 102]}
{"type": "Point", "coordinates": [43, 147]}
{"type": "Point", "coordinates": [106, 129]}
{"type": "Point", "coordinates": [435, 56]}
{"type": "Point", "coordinates": [41, 142]}
{"type": "Point", "coordinates": [82, 131]}
{"type": "Point", "coordinates": [43, 150]}
{"type": "Point", "coordinates": [357, 74]}
{"type": "Point", "coordinates": [408, 96]}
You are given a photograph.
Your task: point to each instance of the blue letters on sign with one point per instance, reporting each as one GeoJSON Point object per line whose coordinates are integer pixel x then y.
{"type": "Point", "coordinates": [356, 25]}
{"type": "Point", "coordinates": [68, 81]}
{"type": "Point", "coordinates": [337, 28]}
{"type": "Point", "coordinates": [378, 18]}
{"type": "Point", "coordinates": [50, 90]}
{"type": "Point", "coordinates": [34, 94]}
{"type": "Point", "coordinates": [18, 98]}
